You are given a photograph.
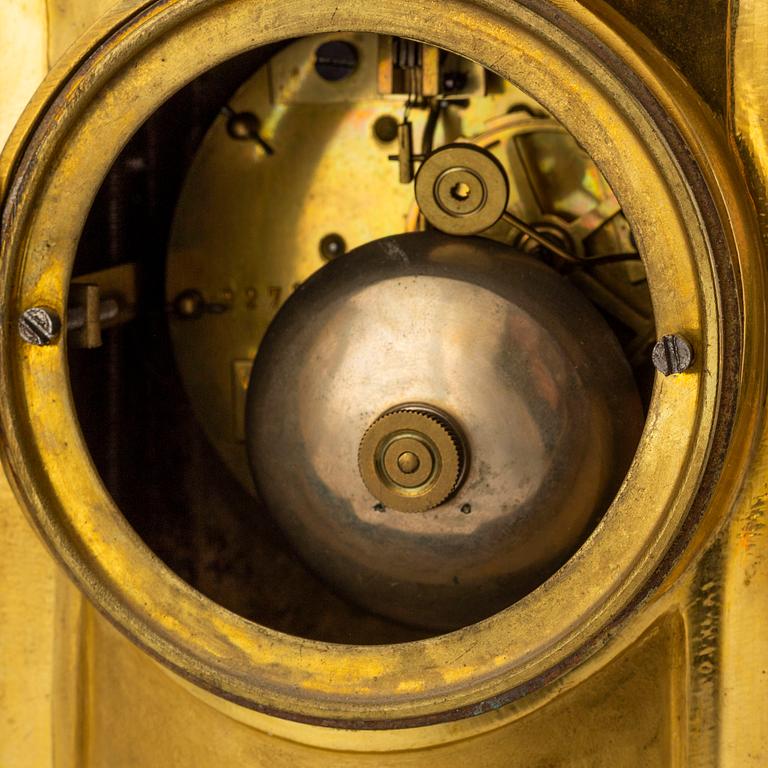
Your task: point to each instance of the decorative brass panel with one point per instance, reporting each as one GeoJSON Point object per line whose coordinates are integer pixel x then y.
{"type": "Point", "coordinates": [663, 666]}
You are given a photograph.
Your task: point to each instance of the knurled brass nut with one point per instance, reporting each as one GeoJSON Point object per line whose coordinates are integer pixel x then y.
{"type": "Point", "coordinates": [412, 458]}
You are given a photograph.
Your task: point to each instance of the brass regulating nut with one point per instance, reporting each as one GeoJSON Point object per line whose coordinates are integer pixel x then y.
{"type": "Point", "coordinates": [412, 458]}
{"type": "Point", "coordinates": [462, 189]}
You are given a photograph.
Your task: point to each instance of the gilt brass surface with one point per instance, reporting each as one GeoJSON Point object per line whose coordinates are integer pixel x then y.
{"type": "Point", "coordinates": [676, 682]}
{"type": "Point", "coordinates": [27, 572]}
{"type": "Point", "coordinates": [690, 284]}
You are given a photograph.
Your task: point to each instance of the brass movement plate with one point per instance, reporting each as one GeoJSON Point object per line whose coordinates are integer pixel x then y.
{"type": "Point", "coordinates": [249, 226]}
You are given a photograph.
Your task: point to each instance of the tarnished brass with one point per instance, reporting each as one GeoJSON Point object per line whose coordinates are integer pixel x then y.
{"type": "Point", "coordinates": [646, 648]}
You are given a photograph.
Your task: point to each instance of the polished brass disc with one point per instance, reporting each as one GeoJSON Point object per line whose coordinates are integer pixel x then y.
{"type": "Point", "coordinates": [411, 459]}
{"type": "Point", "coordinates": [462, 189]}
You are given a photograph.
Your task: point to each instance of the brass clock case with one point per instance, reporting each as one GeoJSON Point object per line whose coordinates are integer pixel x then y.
{"type": "Point", "coordinates": [693, 227]}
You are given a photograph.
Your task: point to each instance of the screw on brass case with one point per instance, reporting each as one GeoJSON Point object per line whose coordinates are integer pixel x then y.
{"type": "Point", "coordinates": [385, 129]}
{"type": "Point", "coordinates": [39, 326]}
{"type": "Point", "coordinates": [332, 245]}
{"type": "Point", "coordinates": [336, 60]}
{"type": "Point", "coordinates": [672, 354]}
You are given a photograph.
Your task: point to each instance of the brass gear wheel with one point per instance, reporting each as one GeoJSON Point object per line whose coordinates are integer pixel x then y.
{"type": "Point", "coordinates": [412, 458]}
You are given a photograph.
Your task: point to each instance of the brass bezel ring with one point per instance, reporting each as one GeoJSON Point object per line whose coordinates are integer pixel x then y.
{"type": "Point", "coordinates": [673, 172]}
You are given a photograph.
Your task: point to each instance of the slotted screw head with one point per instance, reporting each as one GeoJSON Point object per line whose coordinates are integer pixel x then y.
{"type": "Point", "coordinates": [672, 354]}
{"type": "Point", "coordinates": [39, 326]}
{"type": "Point", "coordinates": [336, 60]}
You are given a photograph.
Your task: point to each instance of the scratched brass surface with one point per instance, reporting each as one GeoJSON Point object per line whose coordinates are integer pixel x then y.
{"type": "Point", "coordinates": [27, 573]}
{"type": "Point", "coordinates": [679, 682]}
